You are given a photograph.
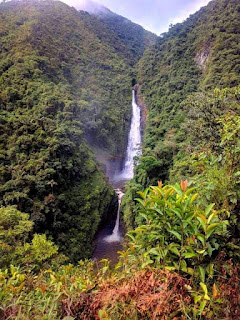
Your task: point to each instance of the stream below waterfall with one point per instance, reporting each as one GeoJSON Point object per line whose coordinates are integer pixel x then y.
{"type": "Point", "coordinates": [109, 238]}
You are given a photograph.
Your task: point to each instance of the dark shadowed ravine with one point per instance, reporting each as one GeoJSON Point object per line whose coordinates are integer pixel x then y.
{"type": "Point", "coordinates": [110, 238]}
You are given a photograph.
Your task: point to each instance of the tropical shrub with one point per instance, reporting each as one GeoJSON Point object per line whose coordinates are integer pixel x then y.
{"type": "Point", "coordinates": [173, 232]}
{"type": "Point", "coordinates": [17, 248]}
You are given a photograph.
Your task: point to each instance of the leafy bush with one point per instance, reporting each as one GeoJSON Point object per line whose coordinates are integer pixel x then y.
{"type": "Point", "coordinates": [15, 247]}
{"type": "Point", "coordinates": [173, 232]}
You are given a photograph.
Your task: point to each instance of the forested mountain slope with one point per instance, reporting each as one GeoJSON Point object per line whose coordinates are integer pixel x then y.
{"type": "Point", "coordinates": [59, 83]}
{"type": "Point", "coordinates": [129, 39]}
{"type": "Point", "coordinates": [133, 37]}
{"type": "Point", "coordinates": [195, 56]}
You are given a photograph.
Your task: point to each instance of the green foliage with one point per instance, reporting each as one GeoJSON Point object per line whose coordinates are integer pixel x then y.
{"type": "Point", "coordinates": [173, 232]}
{"type": "Point", "coordinates": [54, 94]}
{"type": "Point", "coordinates": [14, 231]}
{"type": "Point", "coordinates": [24, 295]}
{"type": "Point", "coordinates": [211, 156]}
{"type": "Point", "coordinates": [15, 228]}
{"type": "Point", "coordinates": [202, 127]}
{"type": "Point", "coordinates": [127, 38]}
{"type": "Point", "coordinates": [178, 77]}
{"type": "Point", "coordinates": [173, 69]}
{"type": "Point", "coordinates": [192, 132]}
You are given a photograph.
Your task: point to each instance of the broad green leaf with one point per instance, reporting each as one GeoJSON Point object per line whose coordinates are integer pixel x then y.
{"type": "Point", "coordinates": [197, 298]}
{"type": "Point", "coordinates": [210, 269]}
{"type": "Point", "coordinates": [189, 255]}
{"type": "Point", "coordinates": [140, 230]}
{"type": "Point", "coordinates": [211, 229]}
{"type": "Point", "coordinates": [202, 306]}
{"type": "Point", "coordinates": [210, 250]}
{"type": "Point", "coordinates": [170, 268]}
{"type": "Point", "coordinates": [143, 215]}
{"type": "Point", "coordinates": [176, 234]}
{"type": "Point", "coordinates": [190, 271]}
{"type": "Point", "coordinates": [140, 201]}
{"type": "Point", "coordinates": [201, 238]}
{"type": "Point", "coordinates": [212, 216]}
{"type": "Point", "coordinates": [204, 288]}
{"type": "Point", "coordinates": [202, 220]}
{"type": "Point", "coordinates": [202, 273]}
{"type": "Point", "coordinates": [189, 217]}
{"type": "Point", "coordinates": [194, 197]}
{"type": "Point", "coordinates": [131, 236]}
{"type": "Point", "coordinates": [201, 251]}
{"type": "Point", "coordinates": [183, 266]}
{"type": "Point", "coordinates": [178, 190]}
{"type": "Point", "coordinates": [209, 208]}
{"type": "Point", "coordinates": [141, 194]}
{"type": "Point", "coordinates": [175, 251]}
{"type": "Point", "coordinates": [178, 213]}
{"type": "Point", "coordinates": [213, 226]}
{"type": "Point", "coordinates": [189, 191]}
{"type": "Point", "coordinates": [154, 251]}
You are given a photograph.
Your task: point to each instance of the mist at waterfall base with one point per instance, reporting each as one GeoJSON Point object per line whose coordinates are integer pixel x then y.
{"type": "Point", "coordinates": [109, 240]}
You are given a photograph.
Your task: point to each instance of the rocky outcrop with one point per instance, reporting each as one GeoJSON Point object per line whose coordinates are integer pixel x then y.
{"type": "Point", "coordinates": [202, 56]}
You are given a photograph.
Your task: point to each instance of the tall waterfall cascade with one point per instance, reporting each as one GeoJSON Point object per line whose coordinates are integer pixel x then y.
{"type": "Point", "coordinates": [133, 150]}
{"type": "Point", "coordinates": [134, 141]}
{"type": "Point", "coordinates": [115, 236]}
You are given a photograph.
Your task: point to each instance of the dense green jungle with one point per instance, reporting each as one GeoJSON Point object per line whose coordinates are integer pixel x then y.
{"type": "Point", "coordinates": [66, 79]}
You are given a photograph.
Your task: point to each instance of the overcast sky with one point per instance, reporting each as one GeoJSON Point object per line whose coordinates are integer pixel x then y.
{"type": "Point", "coordinates": [153, 15]}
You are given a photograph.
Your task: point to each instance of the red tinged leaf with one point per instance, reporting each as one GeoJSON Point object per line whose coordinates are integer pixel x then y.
{"type": "Point", "coordinates": [160, 184]}
{"type": "Point", "coordinates": [43, 288]}
{"type": "Point", "coordinates": [183, 185]}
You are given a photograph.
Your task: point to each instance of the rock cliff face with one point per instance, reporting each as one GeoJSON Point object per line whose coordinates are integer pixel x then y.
{"type": "Point", "coordinates": [202, 57]}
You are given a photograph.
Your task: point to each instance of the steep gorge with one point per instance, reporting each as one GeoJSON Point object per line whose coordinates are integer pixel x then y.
{"type": "Point", "coordinates": [62, 81]}
{"type": "Point", "coordinates": [66, 78]}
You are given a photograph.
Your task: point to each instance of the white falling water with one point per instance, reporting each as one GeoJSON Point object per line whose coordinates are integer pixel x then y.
{"type": "Point", "coordinates": [134, 141]}
{"type": "Point", "coordinates": [115, 236]}
{"type": "Point", "coordinates": [133, 150]}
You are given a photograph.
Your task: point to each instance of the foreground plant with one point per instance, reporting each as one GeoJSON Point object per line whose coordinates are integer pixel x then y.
{"type": "Point", "coordinates": [173, 267]}
{"type": "Point", "coordinates": [174, 233]}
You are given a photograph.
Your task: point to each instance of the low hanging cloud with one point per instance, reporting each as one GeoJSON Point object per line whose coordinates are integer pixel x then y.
{"type": "Point", "coordinates": [153, 15]}
{"type": "Point", "coordinates": [86, 5]}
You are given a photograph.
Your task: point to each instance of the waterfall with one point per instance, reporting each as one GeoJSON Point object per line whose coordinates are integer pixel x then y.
{"type": "Point", "coordinates": [115, 236]}
{"type": "Point", "coordinates": [133, 150]}
{"type": "Point", "coordinates": [134, 141]}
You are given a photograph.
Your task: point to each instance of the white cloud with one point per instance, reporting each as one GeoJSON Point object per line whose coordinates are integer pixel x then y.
{"type": "Point", "coordinates": [185, 13]}
{"type": "Point", "coordinates": [78, 4]}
